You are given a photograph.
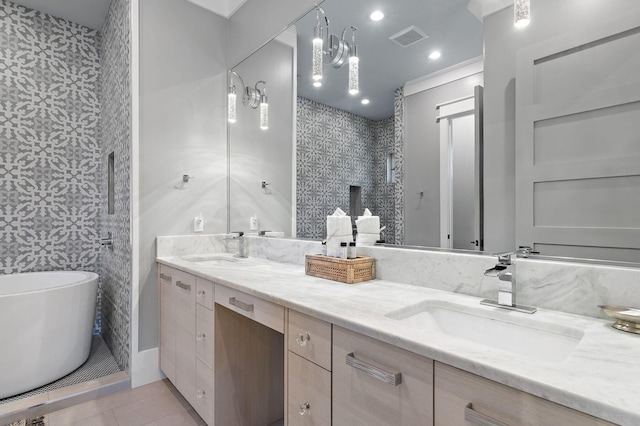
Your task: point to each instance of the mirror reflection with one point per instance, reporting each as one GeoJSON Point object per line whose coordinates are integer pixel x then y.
{"type": "Point", "coordinates": [442, 162]}
{"type": "Point", "coordinates": [348, 153]}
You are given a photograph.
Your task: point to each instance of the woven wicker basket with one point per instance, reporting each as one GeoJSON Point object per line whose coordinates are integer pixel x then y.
{"type": "Point", "coordinates": [348, 271]}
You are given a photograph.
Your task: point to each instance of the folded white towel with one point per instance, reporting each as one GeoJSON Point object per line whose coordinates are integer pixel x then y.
{"type": "Point", "coordinates": [338, 226]}
{"type": "Point", "coordinates": [339, 212]}
{"type": "Point", "coordinates": [368, 224]}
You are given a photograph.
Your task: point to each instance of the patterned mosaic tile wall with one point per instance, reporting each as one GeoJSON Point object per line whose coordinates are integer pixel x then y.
{"type": "Point", "coordinates": [115, 264]}
{"type": "Point", "coordinates": [398, 167]}
{"type": "Point", "coordinates": [384, 191]}
{"type": "Point", "coordinates": [337, 149]}
{"type": "Point", "coordinates": [49, 143]}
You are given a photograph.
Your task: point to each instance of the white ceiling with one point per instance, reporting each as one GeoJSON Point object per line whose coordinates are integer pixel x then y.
{"type": "Point", "coordinates": [90, 13]}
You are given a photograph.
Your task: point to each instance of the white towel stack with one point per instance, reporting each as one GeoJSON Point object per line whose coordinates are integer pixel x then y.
{"type": "Point", "coordinates": [338, 230]}
{"type": "Point", "coordinates": [368, 229]}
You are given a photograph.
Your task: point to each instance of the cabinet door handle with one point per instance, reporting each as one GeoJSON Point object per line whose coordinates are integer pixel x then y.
{"type": "Point", "coordinates": [476, 418]}
{"type": "Point", "coordinates": [200, 337]}
{"type": "Point", "coordinates": [244, 306]}
{"type": "Point", "coordinates": [391, 378]}
{"type": "Point", "coordinates": [183, 285]}
{"type": "Point", "coordinates": [201, 293]}
{"type": "Point", "coordinates": [165, 277]}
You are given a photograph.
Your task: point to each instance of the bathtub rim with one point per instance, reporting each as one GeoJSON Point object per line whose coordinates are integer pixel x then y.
{"type": "Point", "coordinates": [88, 278]}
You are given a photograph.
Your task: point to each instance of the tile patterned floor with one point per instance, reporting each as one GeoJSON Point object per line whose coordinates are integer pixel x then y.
{"type": "Point", "coordinates": [155, 404]}
{"type": "Point", "coordinates": [100, 364]}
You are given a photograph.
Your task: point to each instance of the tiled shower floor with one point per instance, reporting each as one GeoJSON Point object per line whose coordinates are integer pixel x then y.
{"type": "Point", "coordinates": [100, 364]}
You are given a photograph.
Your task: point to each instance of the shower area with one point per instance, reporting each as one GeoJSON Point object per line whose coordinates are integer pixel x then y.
{"type": "Point", "coordinates": [66, 112]}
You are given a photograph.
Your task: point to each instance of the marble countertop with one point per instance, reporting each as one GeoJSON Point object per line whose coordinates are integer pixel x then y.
{"type": "Point", "coordinates": [601, 376]}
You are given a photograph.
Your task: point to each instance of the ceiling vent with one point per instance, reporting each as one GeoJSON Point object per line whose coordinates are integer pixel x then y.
{"type": "Point", "coordinates": [408, 36]}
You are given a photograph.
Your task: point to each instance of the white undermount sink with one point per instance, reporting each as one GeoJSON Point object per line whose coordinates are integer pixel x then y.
{"type": "Point", "coordinates": [508, 331]}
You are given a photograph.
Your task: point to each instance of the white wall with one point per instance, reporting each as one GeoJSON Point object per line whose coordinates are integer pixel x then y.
{"type": "Point", "coordinates": [549, 18]}
{"type": "Point", "coordinates": [182, 131]}
{"type": "Point", "coordinates": [258, 155]}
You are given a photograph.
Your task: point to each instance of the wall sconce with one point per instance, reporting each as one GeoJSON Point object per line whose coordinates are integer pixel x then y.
{"type": "Point", "coordinates": [521, 13]}
{"type": "Point", "coordinates": [337, 50]}
{"type": "Point", "coordinates": [251, 97]}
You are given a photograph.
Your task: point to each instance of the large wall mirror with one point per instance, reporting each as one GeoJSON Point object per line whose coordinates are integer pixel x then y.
{"type": "Point", "coordinates": [442, 161]}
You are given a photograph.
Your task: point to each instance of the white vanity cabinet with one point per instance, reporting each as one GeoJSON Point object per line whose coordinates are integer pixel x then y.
{"type": "Point", "coordinates": [375, 383]}
{"type": "Point", "coordinates": [463, 398]}
{"type": "Point", "coordinates": [308, 371]}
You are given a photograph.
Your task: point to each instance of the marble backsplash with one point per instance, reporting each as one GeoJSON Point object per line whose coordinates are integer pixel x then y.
{"type": "Point", "coordinates": [575, 288]}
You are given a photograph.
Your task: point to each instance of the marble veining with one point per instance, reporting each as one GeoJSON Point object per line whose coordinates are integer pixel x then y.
{"type": "Point", "coordinates": [588, 380]}
{"type": "Point", "coordinates": [568, 287]}
{"type": "Point", "coordinates": [185, 245]}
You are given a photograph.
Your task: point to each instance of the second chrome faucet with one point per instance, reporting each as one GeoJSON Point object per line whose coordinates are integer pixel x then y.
{"type": "Point", "coordinates": [505, 271]}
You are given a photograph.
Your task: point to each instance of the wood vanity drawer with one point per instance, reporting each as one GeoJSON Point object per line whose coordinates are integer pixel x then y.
{"type": "Point", "coordinates": [456, 389]}
{"type": "Point", "coordinates": [310, 338]}
{"type": "Point", "coordinates": [204, 392]}
{"type": "Point", "coordinates": [266, 313]}
{"type": "Point", "coordinates": [204, 293]}
{"type": "Point", "coordinates": [359, 398]}
{"type": "Point", "coordinates": [183, 295]}
{"type": "Point", "coordinates": [308, 384]}
{"type": "Point", "coordinates": [204, 335]}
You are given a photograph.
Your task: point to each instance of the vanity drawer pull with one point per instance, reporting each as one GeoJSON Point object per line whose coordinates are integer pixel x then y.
{"type": "Point", "coordinates": [200, 336]}
{"type": "Point", "coordinates": [183, 285]}
{"type": "Point", "coordinates": [391, 378]}
{"type": "Point", "coordinates": [303, 339]}
{"type": "Point", "coordinates": [165, 277]}
{"type": "Point", "coordinates": [304, 408]}
{"type": "Point", "coordinates": [244, 306]}
{"type": "Point", "coordinates": [476, 418]}
{"type": "Point", "coordinates": [201, 293]}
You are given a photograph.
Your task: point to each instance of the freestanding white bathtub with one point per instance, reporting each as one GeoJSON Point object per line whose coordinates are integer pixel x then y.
{"type": "Point", "coordinates": [46, 324]}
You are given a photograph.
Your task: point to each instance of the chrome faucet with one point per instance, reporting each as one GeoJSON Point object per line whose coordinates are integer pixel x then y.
{"type": "Point", "coordinates": [242, 247]}
{"type": "Point", "coordinates": [505, 271]}
{"type": "Point", "coordinates": [107, 241]}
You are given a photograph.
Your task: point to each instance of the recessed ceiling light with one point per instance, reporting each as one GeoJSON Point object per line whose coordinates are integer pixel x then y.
{"type": "Point", "coordinates": [435, 54]}
{"type": "Point", "coordinates": [377, 15]}
{"type": "Point", "coordinates": [317, 84]}
{"type": "Point", "coordinates": [365, 101]}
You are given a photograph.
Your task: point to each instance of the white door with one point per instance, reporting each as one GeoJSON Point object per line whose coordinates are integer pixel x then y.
{"type": "Point", "coordinates": [461, 173]}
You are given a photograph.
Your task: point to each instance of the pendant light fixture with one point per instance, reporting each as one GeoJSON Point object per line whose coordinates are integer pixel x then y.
{"type": "Point", "coordinates": [354, 60]}
{"type": "Point", "coordinates": [264, 106]}
{"type": "Point", "coordinates": [231, 101]}
{"type": "Point", "coordinates": [521, 13]}
{"type": "Point", "coordinates": [318, 45]}
{"type": "Point", "coordinates": [334, 51]}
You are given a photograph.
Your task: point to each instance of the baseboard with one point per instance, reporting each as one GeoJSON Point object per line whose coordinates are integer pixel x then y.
{"type": "Point", "coordinates": [144, 368]}
{"type": "Point", "coordinates": [65, 402]}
